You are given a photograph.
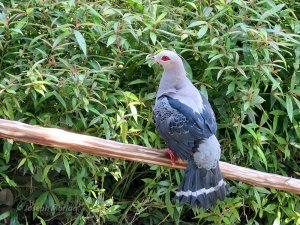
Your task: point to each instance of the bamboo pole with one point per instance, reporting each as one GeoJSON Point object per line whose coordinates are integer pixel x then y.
{"type": "Point", "coordinates": [92, 145]}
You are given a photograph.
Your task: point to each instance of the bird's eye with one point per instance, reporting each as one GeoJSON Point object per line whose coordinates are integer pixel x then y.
{"type": "Point", "coordinates": [165, 58]}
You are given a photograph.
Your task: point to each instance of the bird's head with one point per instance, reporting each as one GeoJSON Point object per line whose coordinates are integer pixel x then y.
{"type": "Point", "coordinates": [166, 58]}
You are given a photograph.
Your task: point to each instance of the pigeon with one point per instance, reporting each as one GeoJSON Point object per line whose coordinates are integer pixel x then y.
{"type": "Point", "coordinates": [185, 120]}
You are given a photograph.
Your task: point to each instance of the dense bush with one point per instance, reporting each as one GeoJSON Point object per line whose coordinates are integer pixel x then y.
{"type": "Point", "coordinates": [80, 66]}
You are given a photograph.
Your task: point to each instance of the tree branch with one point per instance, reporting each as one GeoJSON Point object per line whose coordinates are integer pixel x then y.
{"type": "Point", "coordinates": [82, 143]}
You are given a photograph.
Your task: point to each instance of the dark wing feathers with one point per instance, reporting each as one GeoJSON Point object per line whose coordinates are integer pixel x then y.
{"type": "Point", "coordinates": [181, 127]}
{"type": "Point", "coordinates": [205, 122]}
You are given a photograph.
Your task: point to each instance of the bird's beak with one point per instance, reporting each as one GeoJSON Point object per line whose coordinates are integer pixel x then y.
{"type": "Point", "coordinates": [150, 57]}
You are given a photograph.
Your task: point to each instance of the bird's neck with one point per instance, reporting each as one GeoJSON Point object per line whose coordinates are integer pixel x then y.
{"type": "Point", "coordinates": [175, 67]}
{"type": "Point", "coordinates": [173, 79]}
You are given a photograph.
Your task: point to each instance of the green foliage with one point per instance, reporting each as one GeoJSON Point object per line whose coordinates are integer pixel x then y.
{"type": "Point", "coordinates": [81, 66]}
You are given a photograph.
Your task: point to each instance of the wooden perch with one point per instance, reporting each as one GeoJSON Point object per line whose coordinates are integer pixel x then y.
{"type": "Point", "coordinates": [82, 143]}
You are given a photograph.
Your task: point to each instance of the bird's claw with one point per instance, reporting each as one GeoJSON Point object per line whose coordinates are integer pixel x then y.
{"type": "Point", "coordinates": [171, 154]}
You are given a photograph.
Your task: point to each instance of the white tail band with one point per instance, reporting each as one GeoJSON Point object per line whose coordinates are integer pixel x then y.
{"type": "Point", "coordinates": [201, 191]}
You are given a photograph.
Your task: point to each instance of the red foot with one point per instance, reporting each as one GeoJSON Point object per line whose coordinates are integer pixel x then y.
{"type": "Point", "coordinates": [171, 154]}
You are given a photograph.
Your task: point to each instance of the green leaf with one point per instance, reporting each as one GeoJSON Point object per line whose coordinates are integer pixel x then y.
{"type": "Point", "coordinates": [30, 166]}
{"type": "Point", "coordinates": [202, 31]}
{"type": "Point", "coordinates": [215, 58]}
{"type": "Point", "coordinates": [197, 23]}
{"type": "Point", "coordinates": [59, 39]}
{"type": "Point", "coordinates": [261, 156]}
{"type": "Point", "coordinates": [258, 100]}
{"type": "Point", "coordinates": [230, 88]}
{"type": "Point", "coordinates": [106, 129]}
{"type": "Point", "coordinates": [250, 130]}
{"type": "Point", "coordinates": [220, 73]}
{"type": "Point", "coordinates": [164, 183]}
{"type": "Point", "coordinates": [241, 71]}
{"type": "Point", "coordinates": [46, 171]}
{"type": "Point", "coordinates": [124, 131]}
{"type": "Point", "coordinates": [270, 208]}
{"type": "Point", "coordinates": [60, 99]}
{"type": "Point", "coordinates": [39, 203]}
{"type": "Point", "coordinates": [167, 33]}
{"type": "Point", "coordinates": [130, 95]}
{"type": "Point", "coordinates": [239, 141]}
{"type": "Point", "coordinates": [66, 191]}
{"type": "Point", "coordinates": [21, 163]}
{"type": "Point", "coordinates": [42, 221]}
{"type": "Point", "coordinates": [8, 180]}
{"type": "Point", "coordinates": [276, 84]}
{"type": "Point", "coordinates": [204, 90]}
{"type": "Point", "coordinates": [17, 30]}
{"type": "Point", "coordinates": [7, 149]}
{"type": "Point", "coordinates": [161, 16]}
{"type": "Point", "coordinates": [4, 215]}
{"type": "Point", "coordinates": [257, 197]}
{"type": "Point", "coordinates": [169, 205]}
{"type": "Point", "coordinates": [4, 168]}
{"type": "Point", "coordinates": [138, 5]}
{"type": "Point", "coordinates": [133, 112]}
{"type": "Point", "coordinates": [67, 166]}
{"type": "Point", "coordinates": [95, 13]}
{"type": "Point", "coordinates": [289, 107]}
{"type": "Point", "coordinates": [271, 11]}
{"type": "Point", "coordinates": [153, 37]}
{"type": "Point", "coordinates": [81, 41]}
{"type": "Point", "coordinates": [137, 81]}
{"type": "Point", "coordinates": [111, 40]}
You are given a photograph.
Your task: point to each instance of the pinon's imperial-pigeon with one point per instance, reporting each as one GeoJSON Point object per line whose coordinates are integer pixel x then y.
{"type": "Point", "coordinates": [185, 120]}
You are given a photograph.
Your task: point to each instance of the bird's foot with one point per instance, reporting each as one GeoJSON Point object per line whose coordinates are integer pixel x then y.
{"type": "Point", "coordinates": [171, 154]}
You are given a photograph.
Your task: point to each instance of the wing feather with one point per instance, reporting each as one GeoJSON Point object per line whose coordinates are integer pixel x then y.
{"type": "Point", "coordinates": [181, 127]}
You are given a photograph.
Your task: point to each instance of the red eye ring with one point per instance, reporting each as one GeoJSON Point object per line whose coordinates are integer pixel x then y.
{"type": "Point", "coordinates": [165, 58]}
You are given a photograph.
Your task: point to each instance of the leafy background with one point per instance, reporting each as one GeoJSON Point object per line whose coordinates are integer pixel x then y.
{"type": "Point", "coordinates": [80, 66]}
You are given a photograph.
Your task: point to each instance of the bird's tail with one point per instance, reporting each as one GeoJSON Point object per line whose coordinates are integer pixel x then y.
{"type": "Point", "coordinates": [201, 187]}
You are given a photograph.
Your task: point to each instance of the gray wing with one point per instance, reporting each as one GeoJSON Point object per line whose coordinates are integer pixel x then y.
{"type": "Point", "coordinates": [181, 127]}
